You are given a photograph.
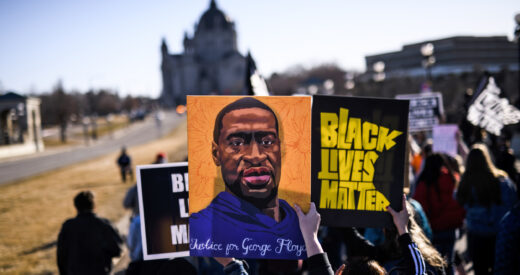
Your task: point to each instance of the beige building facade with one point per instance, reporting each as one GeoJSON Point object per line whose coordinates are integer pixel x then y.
{"type": "Point", "coordinates": [20, 125]}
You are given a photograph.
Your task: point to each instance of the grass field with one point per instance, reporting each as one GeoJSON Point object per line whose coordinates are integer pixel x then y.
{"type": "Point", "coordinates": [32, 210]}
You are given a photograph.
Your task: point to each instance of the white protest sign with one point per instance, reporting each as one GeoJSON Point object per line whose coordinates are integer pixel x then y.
{"type": "Point", "coordinates": [445, 138]}
{"type": "Point", "coordinates": [492, 112]}
{"type": "Point", "coordinates": [425, 110]}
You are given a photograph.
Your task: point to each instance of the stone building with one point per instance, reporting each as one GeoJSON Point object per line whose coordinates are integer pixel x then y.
{"type": "Point", "coordinates": [20, 125]}
{"type": "Point", "coordinates": [460, 64]}
{"type": "Point", "coordinates": [210, 63]}
{"type": "Point", "coordinates": [453, 55]}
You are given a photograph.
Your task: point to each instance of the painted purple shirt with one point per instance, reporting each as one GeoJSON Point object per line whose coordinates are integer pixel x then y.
{"type": "Point", "coordinates": [232, 227]}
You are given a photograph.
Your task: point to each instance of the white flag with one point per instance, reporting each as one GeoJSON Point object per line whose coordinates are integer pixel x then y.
{"type": "Point", "coordinates": [490, 111]}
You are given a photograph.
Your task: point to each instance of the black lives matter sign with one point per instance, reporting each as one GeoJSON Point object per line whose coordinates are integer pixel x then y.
{"type": "Point", "coordinates": [358, 159]}
{"type": "Point", "coordinates": [163, 203]}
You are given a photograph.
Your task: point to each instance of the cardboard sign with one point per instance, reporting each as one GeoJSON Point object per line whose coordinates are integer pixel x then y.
{"type": "Point", "coordinates": [445, 138]}
{"type": "Point", "coordinates": [425, 110]}
{"type": "Point", "coordinates": [358, 159]}
{"type": "Point", "coordinates": [490, 111]}
{"type": "Point", "coordinates": [163, 204]}
{"type": "Point", "coordinates": [249, 163]}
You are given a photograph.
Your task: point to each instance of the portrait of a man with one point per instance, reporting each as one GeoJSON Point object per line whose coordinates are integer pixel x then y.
{"type": "Point", "coordinates": [248, 219]}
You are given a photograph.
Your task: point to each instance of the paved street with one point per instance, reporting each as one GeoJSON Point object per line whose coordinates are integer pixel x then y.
{"type": "Point", "coordinates": [138, 133]}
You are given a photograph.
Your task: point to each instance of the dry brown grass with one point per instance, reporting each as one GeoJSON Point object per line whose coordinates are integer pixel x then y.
{"type": "Point", "coordinates": [32, 210]}
{"type": "Point", "coordinates": [56, 142]}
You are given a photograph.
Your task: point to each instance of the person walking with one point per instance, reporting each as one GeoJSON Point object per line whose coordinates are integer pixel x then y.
{"type": "Point", "coordinates": [87, 243]}
{"type": "Point", "coordinates": [435, 190]}
{"type": "Point", "coordinates": [125, 164]}
{"type": "Point", "coordinates": [487, 194]}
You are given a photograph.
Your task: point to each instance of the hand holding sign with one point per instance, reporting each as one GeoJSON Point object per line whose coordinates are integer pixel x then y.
{"type": "Point", "coordinates": [400, 218]}
{"type": "Point", "coordinates": [309, 224]}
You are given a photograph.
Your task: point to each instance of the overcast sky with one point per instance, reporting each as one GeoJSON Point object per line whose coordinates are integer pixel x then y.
{"type": "Point", "coordinates": [115, 43]}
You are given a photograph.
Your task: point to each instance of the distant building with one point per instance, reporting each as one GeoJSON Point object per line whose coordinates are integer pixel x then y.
{"type": "Point", "coordinates": [210, 63]}
{"type": "Point", "coordinates": [453, 55]}
{"type": "Point", "coordinates": [20, 125]}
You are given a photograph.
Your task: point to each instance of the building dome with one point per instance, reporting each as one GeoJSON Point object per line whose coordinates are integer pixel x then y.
{"type": "Point", "coordinates": [214, 18]}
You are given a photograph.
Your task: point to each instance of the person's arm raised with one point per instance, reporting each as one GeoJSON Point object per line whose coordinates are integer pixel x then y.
{"type": "Point", "coordinates": [317, 260]}
{"type": "Point", "coordinates": [400, 218]}
{"type": "Point", "coordinates": [412, 257]}
{"type": "Point", "coordinates": [309, 224]}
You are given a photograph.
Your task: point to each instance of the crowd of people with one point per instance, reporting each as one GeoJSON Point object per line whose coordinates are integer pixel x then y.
{"type": "Point", "coordinates": [471, 195]}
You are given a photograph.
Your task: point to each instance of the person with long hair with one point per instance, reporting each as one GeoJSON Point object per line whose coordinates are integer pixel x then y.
{"type": "Point", "coordinates": [435, 190]}
{"type": "Point", "coordinates": [487, 194]}
{"type": "Point", "coordinates": [392, 253]}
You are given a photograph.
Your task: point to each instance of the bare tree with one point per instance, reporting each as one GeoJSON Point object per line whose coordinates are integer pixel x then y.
{"type": "Point", "coordinates": [287, 82]}
{"type": "Point", "coordinates": [62, 109]}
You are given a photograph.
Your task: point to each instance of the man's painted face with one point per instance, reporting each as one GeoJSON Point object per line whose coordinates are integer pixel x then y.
{"type": "Point", "coordinates": [248, 152]}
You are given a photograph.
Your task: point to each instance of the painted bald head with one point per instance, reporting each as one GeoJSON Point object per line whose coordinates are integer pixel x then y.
{"type": "Point", "coordinates": [246, 146]}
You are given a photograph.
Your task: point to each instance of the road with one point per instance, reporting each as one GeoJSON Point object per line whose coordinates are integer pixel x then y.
{"type": "Point", "coordinates": [139, 133]}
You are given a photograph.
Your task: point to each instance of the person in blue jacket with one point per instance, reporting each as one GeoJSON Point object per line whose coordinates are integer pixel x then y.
{"type": "Point", "coordinates": [507, 249]}
{"type": "Point", "coordinates": [487, 193]}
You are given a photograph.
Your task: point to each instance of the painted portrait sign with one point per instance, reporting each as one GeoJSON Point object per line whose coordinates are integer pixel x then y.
{"type": "Point", "coordinates": [163, 203]}
{"type": "Point", "coordinates": [358, 159]}
{"type": "Point", "coordinates": [249, 164]}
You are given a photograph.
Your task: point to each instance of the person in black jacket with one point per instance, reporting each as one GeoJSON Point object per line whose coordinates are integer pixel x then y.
{"type": "Point", "coordinates": [124, 161]}
{"type": "Point", "coordinates": [87, 243]}
{"type": "Point", "coordinates": [411, 260]}
{"type": "Point", "coordinates": [406, 250]}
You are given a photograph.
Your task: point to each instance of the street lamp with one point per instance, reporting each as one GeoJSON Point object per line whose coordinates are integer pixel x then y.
{"type": "Point", "coordinates": [349, 84]}
{"type": "Point", "coordinates": [379, 69]}
{"type": "Point", "coordinates": [329, 86]}
{"type": "Point", "coordinates": [428, 60]}
{"type": "Point", "coordinates": [313, 89]}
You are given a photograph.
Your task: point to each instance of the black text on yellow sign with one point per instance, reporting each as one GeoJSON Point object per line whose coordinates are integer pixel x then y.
{"type": "Point", "coordinates": [349, 150]}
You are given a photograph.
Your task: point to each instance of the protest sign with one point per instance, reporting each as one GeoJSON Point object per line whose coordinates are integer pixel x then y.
{"type": "Point", "coordinates": [445, 138]}
{"type": "Point", "coordinates": [425, 110]}
{"type": "Point", "coordinates": [358, 159]}
{"type": "Point", "coordinates": [249, 163]}
{"type": "Point", "coordinates": [490, 111]}
{"type": "Point", "coordinates": [163, 204]}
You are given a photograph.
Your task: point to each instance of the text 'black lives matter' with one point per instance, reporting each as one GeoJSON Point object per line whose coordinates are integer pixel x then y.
{"type": "Point", "coordinates": [358, 155]}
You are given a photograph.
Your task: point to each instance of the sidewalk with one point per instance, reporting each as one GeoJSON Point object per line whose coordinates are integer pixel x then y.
{"type": "Point", "coordinates": [78, 145]}
{"type": "Point", "coordinates": [13, 169]}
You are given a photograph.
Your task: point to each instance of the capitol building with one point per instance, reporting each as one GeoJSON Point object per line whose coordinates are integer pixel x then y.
{"type": "Point", "coordinates": [210, 64]}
